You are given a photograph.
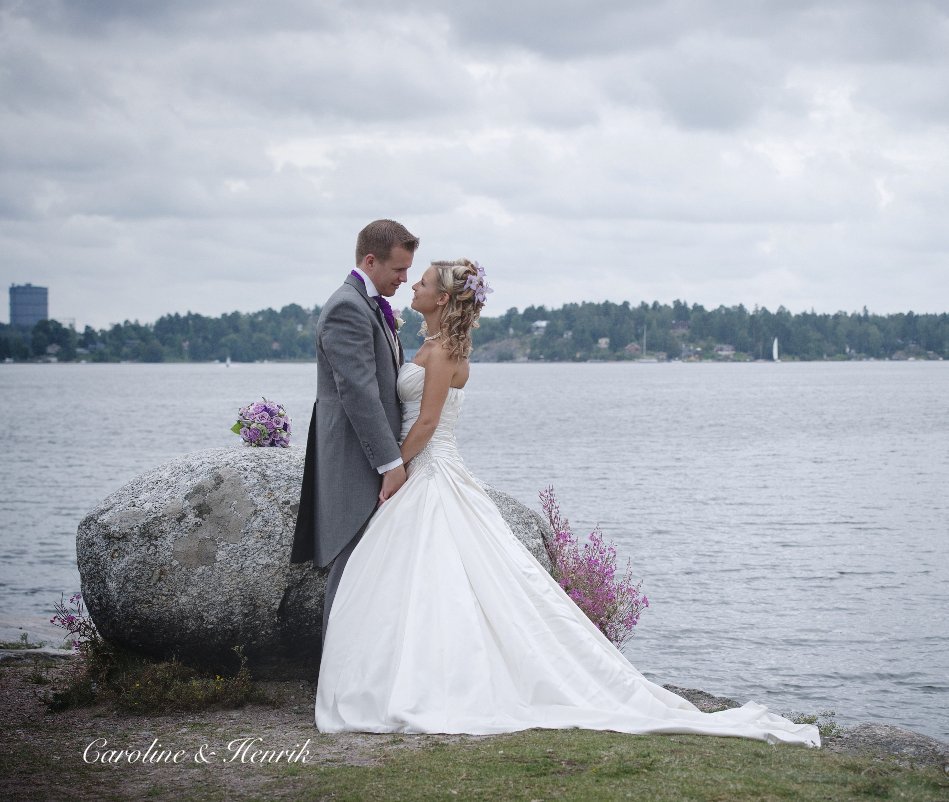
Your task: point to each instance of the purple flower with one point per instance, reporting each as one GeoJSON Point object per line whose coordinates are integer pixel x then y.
{"type": "Point", "coordinates": [478, 284]}
{"type": "Point", "coordinates": [263, 423]}
{"type": "Point", "coordinates": [588, 574]}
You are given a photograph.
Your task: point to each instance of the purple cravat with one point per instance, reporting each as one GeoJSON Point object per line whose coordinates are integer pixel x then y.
{"type": "Point", "coordinates": [383, 305]}
{"type": "Point", "coordinates": [386, 311]}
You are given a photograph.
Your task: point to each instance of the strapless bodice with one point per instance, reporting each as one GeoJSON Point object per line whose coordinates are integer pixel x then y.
{"type": "Point", "coordinates": [410, 384]}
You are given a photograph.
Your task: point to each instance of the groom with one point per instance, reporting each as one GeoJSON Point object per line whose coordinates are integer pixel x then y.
{"type": "Point", "coordinates": [352, 450]}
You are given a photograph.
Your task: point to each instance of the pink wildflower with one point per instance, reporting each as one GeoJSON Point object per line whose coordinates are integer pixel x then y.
{"type": "Point", "coordinates": [587, 572]}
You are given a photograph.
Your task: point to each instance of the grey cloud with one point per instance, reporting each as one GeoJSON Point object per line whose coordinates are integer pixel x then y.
{"type": "Point", "coordinates": [98, 19]}
{"type": "Point", "coordinates": [219, 156]}
{"type": "Point", "coordinates": [712, 86]}
{"type": "Point", "coordinates": [868, 32]}
{"type": "Point", "coordinates": [908, 92]}
{"type": "Point", "coordinates": [319, 78]}
{"type": "Point", "coordinates": [565, 29]}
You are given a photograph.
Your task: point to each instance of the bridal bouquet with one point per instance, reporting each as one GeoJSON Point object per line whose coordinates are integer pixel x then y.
{"type": "Point", "coordinates": [587, 572]}
{"type": "Point", "coordinates": [263, 423]}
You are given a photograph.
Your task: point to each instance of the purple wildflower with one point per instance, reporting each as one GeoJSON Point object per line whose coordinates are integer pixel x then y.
{"type": "Point", "coordinates": [79, 628]}
{"type": "Point", "coordinates": [588, 574]}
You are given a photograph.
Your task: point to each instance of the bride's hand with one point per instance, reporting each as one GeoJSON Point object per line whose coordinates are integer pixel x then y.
{"type": "Point", "coordinates": [391, 482]}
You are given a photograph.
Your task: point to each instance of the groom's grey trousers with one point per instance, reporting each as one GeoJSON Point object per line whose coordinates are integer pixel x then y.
{"type": "Point", "coordinates": [335, 574]}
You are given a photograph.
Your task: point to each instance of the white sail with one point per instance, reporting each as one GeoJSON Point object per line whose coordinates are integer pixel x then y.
{"type": "Point", "coordinates": [774, 350]}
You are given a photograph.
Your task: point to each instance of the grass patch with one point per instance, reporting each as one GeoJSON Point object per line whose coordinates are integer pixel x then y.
{"type": "Point", "coordinates": [40, 674]}
{"type": "Point", "coordinates": [584, 765]}
{"type": "Point", "coordinates": [134, 683]}
{"type": "Point", "coordinates": [23, 643]}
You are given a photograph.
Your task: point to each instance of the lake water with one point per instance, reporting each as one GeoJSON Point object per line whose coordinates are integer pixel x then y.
{"type": "Point", "coordinates": [789, 521]}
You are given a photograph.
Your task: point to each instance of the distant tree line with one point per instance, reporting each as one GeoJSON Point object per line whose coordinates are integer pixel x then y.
{"type": "Point", "coordinates": [584, 331]}
{"type": "Point", "coordinates": [268, 334]}
{"type": "Point", "coordinates": [574, 332]}
{"type": "Point", "coordinates": [287, 334]}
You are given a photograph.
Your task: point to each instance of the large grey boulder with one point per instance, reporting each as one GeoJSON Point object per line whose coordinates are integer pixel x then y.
{"type": "Point", "coordinates": [192, 559]}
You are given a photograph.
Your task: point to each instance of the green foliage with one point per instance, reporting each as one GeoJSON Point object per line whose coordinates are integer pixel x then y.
{"type": "Point", "coordinates": [145, 686]}
{"type": "Point", "coordinates": [827, 725]}
{"type": "Point", "coordinates": [134, 682]}
{"type": "Point", "coordinates": [244, 337]}
{"type": "Point", "coordinates": [584, 331]}
{"type": "Point", "coordinates": [138, 684]}
{"type": "Point", "coordinates": [574, 332]}
{"type": "Point", "coordinates": [23, 643]}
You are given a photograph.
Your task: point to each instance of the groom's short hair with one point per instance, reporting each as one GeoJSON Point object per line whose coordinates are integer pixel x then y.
{"type": "Point", "coordinates": [381, 236]}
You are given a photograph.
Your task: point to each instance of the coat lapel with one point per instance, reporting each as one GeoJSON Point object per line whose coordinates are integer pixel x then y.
{"type": "Point", "coordinates": [380, 318]}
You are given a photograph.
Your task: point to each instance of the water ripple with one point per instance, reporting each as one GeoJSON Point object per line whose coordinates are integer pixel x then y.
{"type": "Point", "coordinates": [788, 524]}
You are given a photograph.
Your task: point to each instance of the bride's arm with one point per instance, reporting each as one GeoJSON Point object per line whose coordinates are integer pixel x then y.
{"type": "Point", "coordinates": [439, 370]}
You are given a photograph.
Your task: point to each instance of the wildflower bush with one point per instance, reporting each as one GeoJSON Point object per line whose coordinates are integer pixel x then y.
{"type": "Point", "coordinates": [80, 631]}
{"type": "Point", "coordinates": [136, 683]}
{"type": "Point", "coordinates": [95, 655]}
{"type": "Point", "coordinates": [588, 574]}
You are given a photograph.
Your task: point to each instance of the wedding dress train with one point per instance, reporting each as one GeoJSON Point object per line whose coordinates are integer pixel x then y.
{"type": "Point", "coordinates": [444, 622]}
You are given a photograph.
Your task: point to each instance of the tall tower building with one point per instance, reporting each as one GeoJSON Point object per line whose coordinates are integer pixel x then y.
{"type": "Point", "coordinates": [28, 305]}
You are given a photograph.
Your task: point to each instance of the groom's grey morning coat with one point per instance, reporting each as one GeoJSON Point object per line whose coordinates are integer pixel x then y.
{"type": "Point", "coordinates": [355, 424]}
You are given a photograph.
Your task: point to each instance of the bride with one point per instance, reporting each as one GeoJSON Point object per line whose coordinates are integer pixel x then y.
{"type": "Point", "coordinates": [444, 622]}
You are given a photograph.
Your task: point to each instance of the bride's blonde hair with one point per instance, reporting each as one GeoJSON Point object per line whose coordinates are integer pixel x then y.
{"type": "Point", "coordinates": [463, 309]}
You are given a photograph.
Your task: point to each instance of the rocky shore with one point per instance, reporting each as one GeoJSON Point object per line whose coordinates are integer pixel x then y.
{"type": "Point", "coordinates": [867, 738]}
{"type": "Point", "coordinates": [291, 717]}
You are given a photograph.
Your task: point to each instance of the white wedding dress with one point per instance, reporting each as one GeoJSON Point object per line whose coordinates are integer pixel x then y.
{"type": "Point", "coordinates": [444, 622]}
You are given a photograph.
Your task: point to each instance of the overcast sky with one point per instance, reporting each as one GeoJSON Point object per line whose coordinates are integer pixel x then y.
{"type": "Point", "coordinates": [176, 155]}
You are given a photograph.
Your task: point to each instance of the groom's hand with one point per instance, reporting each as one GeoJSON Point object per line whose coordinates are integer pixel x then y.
{"type": "Point", "coordinates": [391, 482]}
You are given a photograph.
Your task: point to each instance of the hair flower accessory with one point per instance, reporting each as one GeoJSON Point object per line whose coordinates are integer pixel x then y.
{"type": "Point", "coordinates": [478, 284]}
{"type": "Point", "coordinates": [263, 424]}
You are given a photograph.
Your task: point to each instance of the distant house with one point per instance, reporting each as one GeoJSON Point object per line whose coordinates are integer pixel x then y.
{"type": "Point", "coordinates": [633, 349]}
{"type": "Point", "coordinates": [726, 351]}
{"type": "Point", "coordinates": [603, 342]}
{"type": "Point", "coordinates": [538, 327]}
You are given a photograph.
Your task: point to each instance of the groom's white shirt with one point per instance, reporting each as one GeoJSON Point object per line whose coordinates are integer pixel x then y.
{"type": "Point", "coordinates": [370, 287]}
{"type": "Point", "coordinates": [372, 291]}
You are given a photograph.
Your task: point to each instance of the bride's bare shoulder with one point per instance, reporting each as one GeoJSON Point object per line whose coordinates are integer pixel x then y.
{"type": "Point", "coordinates": [456, 367]}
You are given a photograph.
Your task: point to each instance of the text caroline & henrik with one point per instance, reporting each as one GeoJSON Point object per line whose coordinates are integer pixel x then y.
{"type": "Point", "coordinates": [240, 750]}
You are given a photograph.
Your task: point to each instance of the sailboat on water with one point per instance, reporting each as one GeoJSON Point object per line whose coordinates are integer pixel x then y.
{"type": "Point", "coordinates": [774, 350]}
